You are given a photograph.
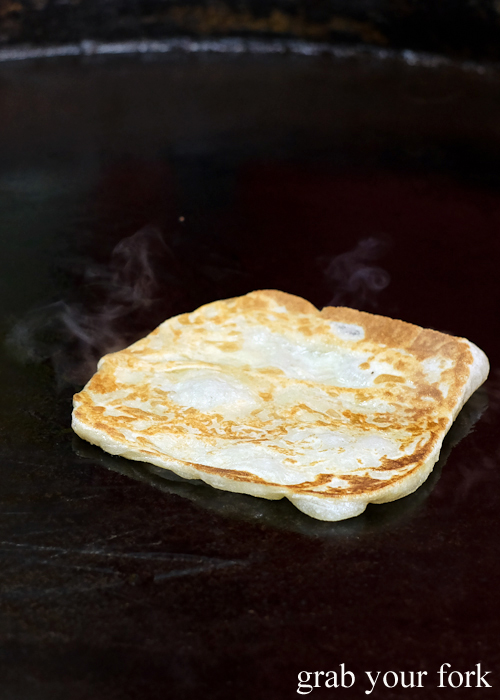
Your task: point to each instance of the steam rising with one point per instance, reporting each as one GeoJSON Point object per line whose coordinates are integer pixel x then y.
{"type": "Point", "coordinates": [354, 280]}
{"type": "Point", "coordinates": [146, 281]}
{"type": "Point", "coordinates": [73, 335]}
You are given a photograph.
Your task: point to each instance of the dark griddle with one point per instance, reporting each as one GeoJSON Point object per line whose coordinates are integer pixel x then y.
{"type": "Point", "coordinates": [118, 583]}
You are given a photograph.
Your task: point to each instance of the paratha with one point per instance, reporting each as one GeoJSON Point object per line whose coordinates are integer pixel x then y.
{"type": "Point", "coordinates": [266, 395]}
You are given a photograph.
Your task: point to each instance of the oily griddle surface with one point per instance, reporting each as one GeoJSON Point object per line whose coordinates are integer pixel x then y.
{"type": "Point", "coordinates": [118, 583]}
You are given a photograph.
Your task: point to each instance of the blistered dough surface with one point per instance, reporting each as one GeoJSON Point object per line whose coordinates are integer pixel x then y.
{"type": "Point", "coordinates": [264, 394]}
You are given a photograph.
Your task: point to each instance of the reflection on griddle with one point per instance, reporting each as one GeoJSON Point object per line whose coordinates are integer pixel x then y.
{"type": "Point", "coordinates": [282, 514]}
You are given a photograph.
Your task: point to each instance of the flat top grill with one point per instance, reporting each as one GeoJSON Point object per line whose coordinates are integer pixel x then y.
{"type": "Point", "coordinates": [235, 173]}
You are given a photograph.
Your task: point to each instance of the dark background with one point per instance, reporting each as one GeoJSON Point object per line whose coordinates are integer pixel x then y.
{"type": "Point", "coordinates": [135, 188]}
{"type": "Point", "coordinates": [458, 28]}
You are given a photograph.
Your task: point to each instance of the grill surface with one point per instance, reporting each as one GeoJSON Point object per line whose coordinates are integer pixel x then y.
{"type": "Point", "coordinates": [234, 173]}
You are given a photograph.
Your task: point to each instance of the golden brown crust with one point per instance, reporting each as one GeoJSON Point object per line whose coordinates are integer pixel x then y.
{"type": "Point", "coordinates": [288, 375]}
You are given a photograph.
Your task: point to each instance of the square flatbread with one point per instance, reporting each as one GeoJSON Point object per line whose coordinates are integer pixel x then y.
{"type": "Point", "coordinates": [265, 395]}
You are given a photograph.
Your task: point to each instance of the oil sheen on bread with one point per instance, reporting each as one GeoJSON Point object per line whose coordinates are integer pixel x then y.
{"type": "Point", "coordinates": [266, 395]}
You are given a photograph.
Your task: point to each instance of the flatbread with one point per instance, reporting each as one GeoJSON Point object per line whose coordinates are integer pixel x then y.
{"type": "Point", "coordinates": [265, 395]}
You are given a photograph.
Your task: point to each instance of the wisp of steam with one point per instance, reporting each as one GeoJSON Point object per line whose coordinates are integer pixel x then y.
{"type": "Point", "coordinates": [146, 282]}
{"type": "Point", "coordinates": [74, 335]}
{"type": "Point", "coordinates": [353, 277]}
